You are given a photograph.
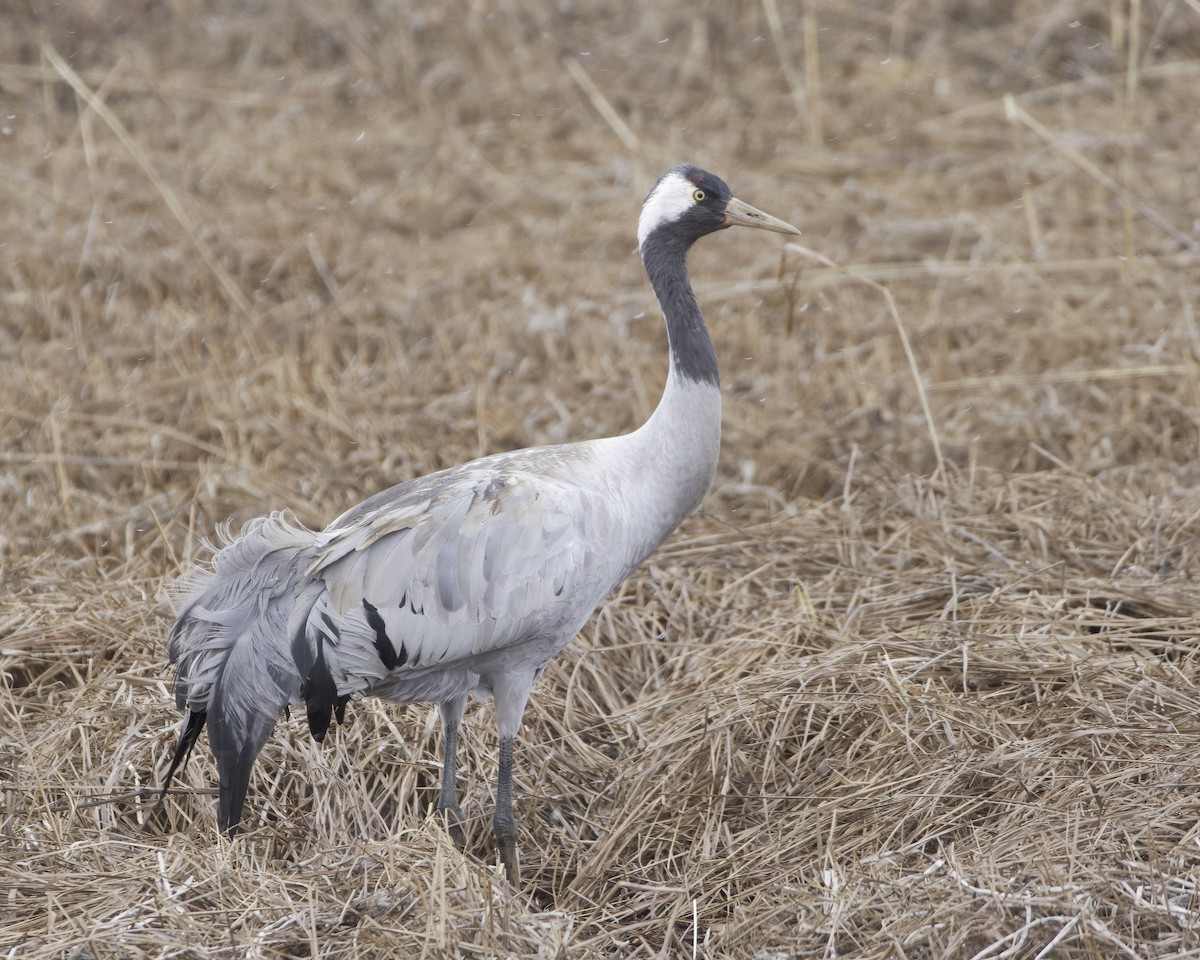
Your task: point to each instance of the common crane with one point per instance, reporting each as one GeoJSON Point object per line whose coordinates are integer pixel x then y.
{"type": "Point", "coordinates": [466, 580]}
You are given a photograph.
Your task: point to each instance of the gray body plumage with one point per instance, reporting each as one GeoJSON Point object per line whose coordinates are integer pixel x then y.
{"type": "Point", "coordinates": [466, 580]}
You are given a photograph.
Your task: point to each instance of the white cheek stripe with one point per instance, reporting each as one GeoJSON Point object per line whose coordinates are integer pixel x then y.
{"type": "Point", "coordinates": [669, 200]}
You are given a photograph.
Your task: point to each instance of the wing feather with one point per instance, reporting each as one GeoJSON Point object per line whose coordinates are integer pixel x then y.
{"type": "Point", "coordinates": [464, 563]}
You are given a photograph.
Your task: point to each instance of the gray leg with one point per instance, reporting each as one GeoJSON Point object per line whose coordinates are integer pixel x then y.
{"type": "Point", "coordinates": [511, 693]}
{"type": "Point", "coordinates": [504, 825]}
{"type": "Point", "coordinates": [452, 711]}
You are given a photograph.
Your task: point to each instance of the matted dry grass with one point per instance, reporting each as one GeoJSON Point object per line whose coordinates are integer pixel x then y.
{"type": "Point", "coordinates": [864, 705]}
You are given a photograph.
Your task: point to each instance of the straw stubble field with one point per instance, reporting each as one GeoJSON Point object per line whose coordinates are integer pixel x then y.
{"type": "Point", "coordinates": [920, 680]}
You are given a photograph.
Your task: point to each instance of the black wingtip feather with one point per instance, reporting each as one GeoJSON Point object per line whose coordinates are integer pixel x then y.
{"type": "Point", "coordinates": [192, 725]}
{"type": "Point", "coordinates": [383, 643]}
{"type": "Point", "coordinates": [321, 697]}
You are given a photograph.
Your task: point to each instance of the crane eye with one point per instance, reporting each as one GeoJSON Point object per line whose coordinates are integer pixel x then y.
{"type": "Point", "coordinates": [698, 195]}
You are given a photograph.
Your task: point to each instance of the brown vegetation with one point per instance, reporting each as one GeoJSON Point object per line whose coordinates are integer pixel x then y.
{"type": "Point", "coordinates": [913, 685]}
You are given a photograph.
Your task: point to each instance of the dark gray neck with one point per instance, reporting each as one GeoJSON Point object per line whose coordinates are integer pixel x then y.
{"type": "Point", "coordinates": [692, 355]}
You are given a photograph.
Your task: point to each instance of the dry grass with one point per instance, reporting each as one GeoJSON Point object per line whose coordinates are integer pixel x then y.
{"type": "Point", "coordinates": [258, 255]}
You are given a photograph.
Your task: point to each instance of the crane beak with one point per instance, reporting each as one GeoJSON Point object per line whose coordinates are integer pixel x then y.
{"type": "Point", "coordinates": [740, 214]}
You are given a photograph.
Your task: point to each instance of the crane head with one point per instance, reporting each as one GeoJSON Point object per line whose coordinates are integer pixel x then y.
{"type": "Point", "coordinates": [690, 203]}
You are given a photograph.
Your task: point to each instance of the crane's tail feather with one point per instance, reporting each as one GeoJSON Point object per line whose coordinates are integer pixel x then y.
{"type": "Point", "coordinates": [243, 709]}
{"type": "Point", "coordinates": [232, 647]}
{"type": "Point", "coordinates": [236, 749]}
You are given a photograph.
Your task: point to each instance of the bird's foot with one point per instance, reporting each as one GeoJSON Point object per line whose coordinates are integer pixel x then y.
{"type": "Point", "coordinates": [454, 823]}
{"type": "Point", "coordinates": [506, 842]}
